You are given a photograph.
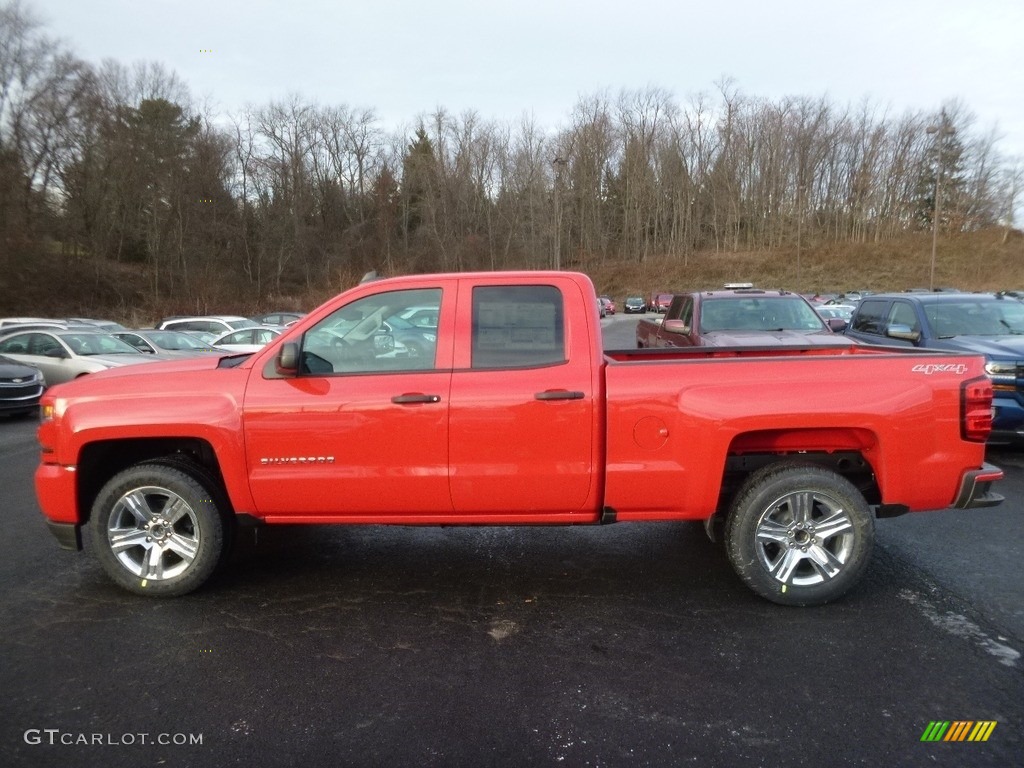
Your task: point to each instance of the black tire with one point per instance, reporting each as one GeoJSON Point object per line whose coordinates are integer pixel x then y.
{"type": "Point", "coordinates": [148, 552]}
{"type": "Point", "coordinates": [799, 534]}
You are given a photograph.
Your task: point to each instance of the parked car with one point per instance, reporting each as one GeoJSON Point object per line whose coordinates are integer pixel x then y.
{"type": "Point", "coordinates": [957, 322]}
{"type": "Point", "coordinates": [659, 302]}
{"type": "Point", "coordinates": [278, 318]}
{"type": "Point", "coordinates": [5, 322]}
{"type": "Point", "coordinates": [66, 355]}
{"type": "Point", "coordinates": [174, 343]}
{"type": "Point", "coordinates": [412, 340]}
{"type": "Point", "coordinates": [247, 339]}
{"type": "Point", "coordinates": [601, 311]}
{"type": "Point", "coordinates": [46, 325]}
{"type": "Point", "coordinates": [421, 317]}
{"type": "Point", "coordinates": [106, 326]}
{"type": "Point", "coordinates": [218, 324]}
{"type": "Point", "coordinates": [748, 317]}
{"type": "Point", "coordinates": [609, 305]}
{"type": "Point", "coordinates": [842, 311]}
{"type": "Point", "coordinates": [21, 386]}
{"type": "Point", "coordinates": [634, 305]}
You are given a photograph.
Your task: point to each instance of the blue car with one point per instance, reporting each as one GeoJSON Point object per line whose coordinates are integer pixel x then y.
{"type": "Point", "coordinates": [985, 324]}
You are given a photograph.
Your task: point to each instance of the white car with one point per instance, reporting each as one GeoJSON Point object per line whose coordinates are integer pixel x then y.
{"type": "Point", "coordinates": [842, 311]}
{"type": "Point", "coordinates": [66, 355]}
{"type": "Point", "coordinates": [218, 324]}
{"type": "Point", "coordinates": [246, 340]}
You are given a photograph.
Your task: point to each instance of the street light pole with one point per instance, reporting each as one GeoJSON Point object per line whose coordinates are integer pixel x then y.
{"type": "Point", "coordinates": [938, 131]}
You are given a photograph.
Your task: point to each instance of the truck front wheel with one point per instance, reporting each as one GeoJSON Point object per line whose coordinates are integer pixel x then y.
{"type": "Point", "coordinates": [157, 530]}
{"type": "Point", "coordinates": [799, 534]}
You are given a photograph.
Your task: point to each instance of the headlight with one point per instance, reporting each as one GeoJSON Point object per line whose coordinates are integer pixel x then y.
{"type": "Point", "coordinates": [46, 412]}
{"type": "Point", "coordinates": [1001, 369]}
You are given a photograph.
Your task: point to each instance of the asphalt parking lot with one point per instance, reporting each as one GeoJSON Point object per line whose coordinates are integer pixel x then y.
{"type": "Point", "coordinates": [624, 645]}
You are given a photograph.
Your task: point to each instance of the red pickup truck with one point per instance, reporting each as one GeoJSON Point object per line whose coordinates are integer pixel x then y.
{"type": "Point", "coordinates": [739, 317]}
{"type": "Point", "coordinates": [514, 415]}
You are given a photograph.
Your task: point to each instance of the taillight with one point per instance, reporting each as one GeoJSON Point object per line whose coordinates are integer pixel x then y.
{"type": "Point", "coordinates": [976, 409]}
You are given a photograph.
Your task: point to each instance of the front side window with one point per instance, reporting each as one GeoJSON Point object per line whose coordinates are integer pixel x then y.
{"type": "Point", "coordinates": [44, 344]}
{"type": "Point", "coordinates": [870, 317]}
{"type": "Point", "coordinates": [686, 314]}
{"type": "Point", "coordinates": [517, 326]}
{"type": "Point", "coordinates": [370, 335]}
{"type": "Point", "coordinates": [903, 314]}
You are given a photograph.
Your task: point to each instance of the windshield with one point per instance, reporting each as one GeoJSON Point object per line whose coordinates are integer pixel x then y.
{"type": "Point", "coordinates": [176, 341]}
{"type": "Point", "coordinates": [87, 344]}
{"type": "Point", "coordinates": [242, 323]}
{"type": "Point", "coordinates": [758, 313]}
{"type": "Point", "coordinates": [977, 316]}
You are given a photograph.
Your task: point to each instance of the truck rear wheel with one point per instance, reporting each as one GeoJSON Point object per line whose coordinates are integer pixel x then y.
{"type": "Point", "coordinates": [157, 530]}
{"type": "Point", "coordinates": [799, 534]}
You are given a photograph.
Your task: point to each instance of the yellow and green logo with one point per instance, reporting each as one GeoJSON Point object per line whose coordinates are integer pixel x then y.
{"type": "Point", "coordinates": [958, 730]}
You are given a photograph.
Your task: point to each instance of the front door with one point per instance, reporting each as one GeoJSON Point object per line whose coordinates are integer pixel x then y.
{"type": "Point", "coordinates": [362, 431]}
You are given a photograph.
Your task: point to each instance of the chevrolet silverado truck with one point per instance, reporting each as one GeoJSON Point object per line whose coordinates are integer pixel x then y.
{"type": "Point", "coordinates": [514, 415]}
{"type": "Point", "coordinates": [737, 318]}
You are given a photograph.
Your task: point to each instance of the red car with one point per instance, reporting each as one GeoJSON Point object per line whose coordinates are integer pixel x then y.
{"type": "Point", "coordinates": [609, 305]}
{"type": "Point", "coordinates": [660, 302]}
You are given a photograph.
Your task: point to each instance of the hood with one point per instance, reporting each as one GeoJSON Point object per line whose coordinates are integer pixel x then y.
{"type": "Point", "coordinates": [116, 361]}
{"type": "Point", "coordinates": [157, 365]}
{"type": "Point", "coordinates": [775, 339]}
{"type": "Point", "coordinates": [12, 369]}
{"type": "Point", "coordinates": [994, 347]}
{"type": "Point", "coordinates": [149, 379]}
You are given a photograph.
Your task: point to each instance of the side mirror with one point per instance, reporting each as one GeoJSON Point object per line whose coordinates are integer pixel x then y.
{"type": "Point", "coordinates": [836, 324]}
{"type": "Point", "coordinates": [903, 332]}
{"type": "Point", "coordinates": [56, 352]}
{"type": "Point", "coordinates": [287, 362]}
{"type": "Point", "coordinates": [675, 326]}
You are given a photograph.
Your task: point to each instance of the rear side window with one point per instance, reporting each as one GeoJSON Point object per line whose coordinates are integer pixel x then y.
{"type": "Point", "coordinates": [870, 317]}
{"type": "Point", "coordinates": [517, 326]}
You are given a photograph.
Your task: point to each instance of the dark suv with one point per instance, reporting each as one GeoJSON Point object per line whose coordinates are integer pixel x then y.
{"type": "Point", "coordinates": [984, 324]}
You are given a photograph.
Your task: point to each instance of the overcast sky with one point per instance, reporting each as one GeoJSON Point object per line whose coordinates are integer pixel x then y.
{"type": "Point", "coordinates": [537, 57]}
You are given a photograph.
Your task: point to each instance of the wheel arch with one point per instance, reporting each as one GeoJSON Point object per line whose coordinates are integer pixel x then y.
{"type": "Point", "coordinates": [101, 460]}
{"type": "Point", "coordinates": [847, 451]}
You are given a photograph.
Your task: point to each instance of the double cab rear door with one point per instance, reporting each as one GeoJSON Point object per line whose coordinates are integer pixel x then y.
{"type": "Point", "coordinates": [490, 415]}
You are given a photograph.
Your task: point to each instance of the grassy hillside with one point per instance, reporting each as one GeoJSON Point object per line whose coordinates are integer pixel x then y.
{"type": "Point", "coordinates": [49, 284]}
{"type": "Point", "coordinates": [979, 261]}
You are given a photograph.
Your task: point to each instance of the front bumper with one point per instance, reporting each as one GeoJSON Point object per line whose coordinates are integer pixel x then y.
{"type": "Point", "coordinates": [1007, 418]}
{"type": "Point", "coordinates": [976, 488]}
